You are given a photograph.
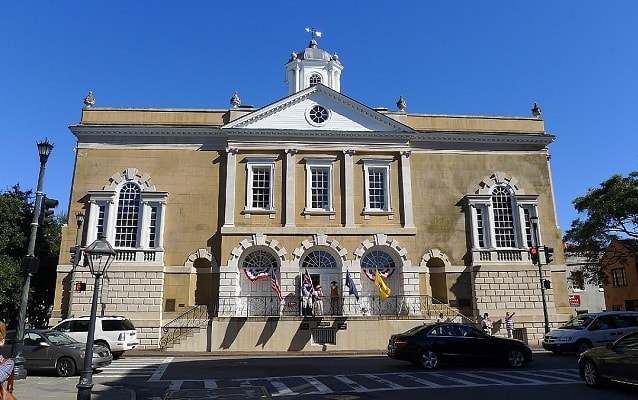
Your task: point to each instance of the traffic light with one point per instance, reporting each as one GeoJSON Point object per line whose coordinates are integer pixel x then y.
{"type": "Point", "coordinates": [46, 210]}
{"type": "Point", "coordinates": [76, 255]}
{"type": "Point", "coordinates": [549, 254]}
{"type": "Point", "coordinates": [533, 255]}
{"type": "Point", "coordinates": [80, 286]}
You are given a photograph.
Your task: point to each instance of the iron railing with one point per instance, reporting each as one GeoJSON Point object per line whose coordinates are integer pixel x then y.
{"type": "Point", "coordinates": [400, 307]}
{"type": "Point", "coordinates": [195, 318]}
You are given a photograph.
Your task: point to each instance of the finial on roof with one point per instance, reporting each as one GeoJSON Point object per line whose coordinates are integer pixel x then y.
{"type": "Point", "coordinates": [401, 104]}
{"type": "Point", "coordinates": [235, 101]}
{"type": "Point", "coordinates": [536, 111]}
{"type": "Point", "coordinates": [89, 100]}
{"type": "Point", "coordinates": [313, 32]}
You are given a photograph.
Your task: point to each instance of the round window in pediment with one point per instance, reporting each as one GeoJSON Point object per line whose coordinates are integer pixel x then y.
{"type": "Point", "coordinates": [318, 115]}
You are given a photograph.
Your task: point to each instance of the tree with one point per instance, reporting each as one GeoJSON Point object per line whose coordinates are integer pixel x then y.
{"type": "Point", "coordinates": [612, 214]}
{"type": "Point", "coordinates": [16, 215]}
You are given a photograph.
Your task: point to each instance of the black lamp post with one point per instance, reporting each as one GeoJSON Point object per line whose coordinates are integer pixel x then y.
{"type": "Point", "coordinates": [30, 264]}
{"type": "Point", "coordinates": [79, 219]}
{"type": "Point", "coordinates": [536, 243]}
{"type": "Point", "coordinates": [99, 255]}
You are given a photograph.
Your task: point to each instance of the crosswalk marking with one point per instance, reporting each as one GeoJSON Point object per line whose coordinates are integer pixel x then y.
{"type": "Point", "coordinates": [386, 382]}
{"type": "Point", "coordinates": [420, 381]}
{"type": "Point", "coordinates": [154, 369]}
{"type": "Point", "coordinates": [354, 385]}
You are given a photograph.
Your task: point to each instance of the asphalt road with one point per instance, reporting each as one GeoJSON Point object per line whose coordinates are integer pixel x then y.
{"type": "Point", "coordinates": [149, 377]}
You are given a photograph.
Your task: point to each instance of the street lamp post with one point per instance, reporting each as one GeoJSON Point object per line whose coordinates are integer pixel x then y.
{"type": "Point", "coordinates": [79, 219]}
{"type": "Point", "coordinates": [99, 255]}
{"type": "Point", "coordinates": [536, 243]}
{"type": "Point", "coordinates": [29, 264]}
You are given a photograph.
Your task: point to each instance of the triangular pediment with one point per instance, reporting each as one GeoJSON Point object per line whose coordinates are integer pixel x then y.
{"type": "Point", "coordinates": [299, 112]}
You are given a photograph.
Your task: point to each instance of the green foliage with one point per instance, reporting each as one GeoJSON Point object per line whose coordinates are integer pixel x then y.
{"type": "Point", "coordinates": [16, 216]}
{"type": "Point", "coordinates": [611, 214]}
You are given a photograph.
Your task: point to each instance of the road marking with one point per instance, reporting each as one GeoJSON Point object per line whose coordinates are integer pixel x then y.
{"type": "Point", "coordinates": [386, 382]}
{"type": "Point", "coordinates": [210, 384]}
{"type": "Point", "coordinates": [419, 380]}
{"type": "Point", "coordinates": [157, 375]}
{"type": "Point", "coordinates": [321, 388]}
{"type": "Point", "coordinates": [453, 379]}
{"type": "Point", "coordinates": [354, 385]}
{"type": "Point", "coordinates": [281, 388]}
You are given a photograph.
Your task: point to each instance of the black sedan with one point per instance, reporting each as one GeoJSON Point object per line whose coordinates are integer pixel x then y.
{"type": "Point", "coordinates": [47, 349]}
{"type": "Point", "coordinates": [426, 345]}
{"type": "Point", "coordinates": [617, 362]}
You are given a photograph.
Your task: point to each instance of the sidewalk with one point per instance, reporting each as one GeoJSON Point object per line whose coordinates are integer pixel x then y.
{"type": "Point", "coordinates": [54, 388]}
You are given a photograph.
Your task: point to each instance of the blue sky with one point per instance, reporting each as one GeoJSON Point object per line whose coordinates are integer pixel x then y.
{"type": "Point", "coordinates": [578, 60]}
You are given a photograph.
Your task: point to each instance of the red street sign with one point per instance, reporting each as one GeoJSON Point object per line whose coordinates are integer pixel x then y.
{"type": "Point", "coordinates": [574, 300]}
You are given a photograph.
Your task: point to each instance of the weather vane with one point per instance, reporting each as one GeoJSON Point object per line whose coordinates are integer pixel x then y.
{"type": "Point", "coordinates": [313, 32]}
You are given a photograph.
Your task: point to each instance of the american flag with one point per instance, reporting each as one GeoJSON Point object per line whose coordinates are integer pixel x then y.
{"type": "Point", "coordinates": [274, 283]}
{"type": "Point", "coordinates": [307, 282]}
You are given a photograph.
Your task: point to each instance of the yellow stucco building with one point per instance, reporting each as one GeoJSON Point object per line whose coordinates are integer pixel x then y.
{"type": "Point", "coordinates": [207, 207]}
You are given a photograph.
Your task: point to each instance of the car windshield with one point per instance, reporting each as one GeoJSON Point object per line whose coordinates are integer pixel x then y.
{"type": "Point", "coordinates": [59, 338]}
{"type": "Point", "coordinates": [578, 322]}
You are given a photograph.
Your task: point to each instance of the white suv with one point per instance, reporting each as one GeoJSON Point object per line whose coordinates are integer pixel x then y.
{"type": "Point", "coordinates": [116, 333]}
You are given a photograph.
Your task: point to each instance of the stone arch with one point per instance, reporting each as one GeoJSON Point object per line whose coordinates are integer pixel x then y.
{"type": "Point", "coordinates": [258, 239]}
{"type": "Point", "coordinates": [380, 239]}
{"type": "Point", "coordinates": [319, 239]}
{"type": "Point", "coordinates": [435, 254]}
{"type": "Point", "coordinates": [433, 277]}
{"type": "Point", "coordinates": [201, 254]}
{"type": "Point", "coordinates": [488, 183]}
{"type": "Point", "coordinates": [130, 174]}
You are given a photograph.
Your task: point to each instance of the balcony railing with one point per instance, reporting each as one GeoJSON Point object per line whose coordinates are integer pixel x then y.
{"type": "Point", "coordinates": [408, 306]}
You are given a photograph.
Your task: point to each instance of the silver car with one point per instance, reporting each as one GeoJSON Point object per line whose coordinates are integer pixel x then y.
{"type": "Point", "coordinates": [53, 350]}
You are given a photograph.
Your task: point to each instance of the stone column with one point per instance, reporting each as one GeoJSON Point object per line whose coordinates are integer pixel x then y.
{"type": "Point", "coordinates": [231, 174]}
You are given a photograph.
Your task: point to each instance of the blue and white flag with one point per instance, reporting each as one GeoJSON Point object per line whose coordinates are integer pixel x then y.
{"type": "Point", "coordinates": [351, 286]}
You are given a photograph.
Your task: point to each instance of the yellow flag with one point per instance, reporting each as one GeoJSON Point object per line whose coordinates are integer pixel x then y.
{"type": "Point", "coordinates": [384, 290]}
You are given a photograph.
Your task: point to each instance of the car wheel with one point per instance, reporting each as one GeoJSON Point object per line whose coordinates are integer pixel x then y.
{"type": "Point", "coordinates": [515, 358]}
{"type": "Point", "coordinates": [590, 374]}
{"type": "Point", "coordinates": [117, 354]}
{"type": "Point", "coordinates": [429, 359]}
{"type": "Point", "coordinates": [582, 346]}
{"type": "Point", "coordinates": [65, 367]}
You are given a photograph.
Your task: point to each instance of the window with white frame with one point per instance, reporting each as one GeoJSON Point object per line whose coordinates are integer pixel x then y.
{"type": "Point", "coordinates": [500, 218]}
{"type": "Point", "coordinates": [377, 185]}
{"type": "Point", "coordinates": [260, 184]}
{"type": "Point", "coordinates": [128, 209]}
{"type": "Point", "coordinates": [315, 79]}
{"type": "Point", "coordinates": [319, 184]}
{"type": "Point", "coordinates": [129, 213]}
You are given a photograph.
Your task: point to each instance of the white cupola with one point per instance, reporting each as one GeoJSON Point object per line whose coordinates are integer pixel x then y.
{"type": "Point", "coordinates": [312, 66]}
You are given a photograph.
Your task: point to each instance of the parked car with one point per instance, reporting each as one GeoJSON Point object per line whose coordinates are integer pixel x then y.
{"type": "Point", "coordinates": [616, 362]}
{"type": "Point", "coordinates": [116, 333]}
{"type": "Point", "coordinates": [589, 330]}
{"type": "Point", "coordinates": [48, 349]}
{"type": "Point", "coordinates": [427, 345]}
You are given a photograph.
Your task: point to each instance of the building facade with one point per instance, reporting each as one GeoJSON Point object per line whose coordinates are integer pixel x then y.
{"type": "Point", "coordinates": [621, 269]}
{"type": "Point", "coordinates": [222, 208]}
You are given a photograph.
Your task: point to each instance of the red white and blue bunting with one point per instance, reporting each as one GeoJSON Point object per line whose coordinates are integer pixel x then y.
{"type": "Point", "coordinates": [384, 272]}
{"type": "Point", "coordinates": [254, 274]}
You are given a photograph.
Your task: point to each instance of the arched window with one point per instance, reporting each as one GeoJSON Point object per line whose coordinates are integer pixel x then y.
{"type": "Point", "coordinates": [499, 215]}
{"type": "Point", "coordinates": [319, 259]}
{"type": "Point", "coordinates": [129, 212]}
{"type": "Point", "coordinates": [377, 259]}
{"type": "Point", "coordinates": [128, 209]}
{"type": "Point", "coordinates": [315, 79]}
{"type": "Point", "coordinates": [503, 217]}
{"type": "Point", "coordinates": [258, 263]}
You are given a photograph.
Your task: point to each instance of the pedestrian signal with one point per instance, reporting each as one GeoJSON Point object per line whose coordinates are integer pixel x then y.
{"type": "Point", "coordinates": [533, 255]}
{"type": "Point", "coordinates": [80, 286]}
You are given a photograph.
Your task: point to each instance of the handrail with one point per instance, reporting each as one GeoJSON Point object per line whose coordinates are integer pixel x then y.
{"type": "Point", "coordinates": [195, 318]}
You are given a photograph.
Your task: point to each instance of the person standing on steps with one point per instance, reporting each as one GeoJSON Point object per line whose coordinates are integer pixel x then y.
{"type": "Point", "coordinates": [486, 324]}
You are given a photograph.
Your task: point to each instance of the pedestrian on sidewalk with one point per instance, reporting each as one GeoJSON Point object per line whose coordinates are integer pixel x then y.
{"type": "Point", "coordinates": [6, 364]}
{"type": "Point", "coordinates": [509, 323]}
{"type": "Point", "coordinates": [486, 324]}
